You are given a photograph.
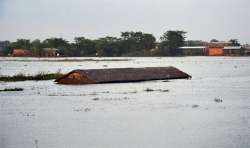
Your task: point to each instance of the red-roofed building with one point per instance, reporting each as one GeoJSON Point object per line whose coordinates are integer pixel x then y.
{"type": "Point", "coordinates": [19, 52]}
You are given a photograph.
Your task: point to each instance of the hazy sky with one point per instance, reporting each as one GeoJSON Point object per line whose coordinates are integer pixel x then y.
{"type": "Point", "coordinates": [202, 19]}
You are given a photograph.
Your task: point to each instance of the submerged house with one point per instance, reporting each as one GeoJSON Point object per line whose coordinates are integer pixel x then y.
{"type": "Point", "coordinates": [119, 75]}
{"type": "Point", "coordinates": [19, 52]}
{"type": "Point", "coordinates": [51, 52]}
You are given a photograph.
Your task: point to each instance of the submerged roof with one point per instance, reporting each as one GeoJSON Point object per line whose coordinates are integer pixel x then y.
{"type": "Point", "coordinates": [91, 76]}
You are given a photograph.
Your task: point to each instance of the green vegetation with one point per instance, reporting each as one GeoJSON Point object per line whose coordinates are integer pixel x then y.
{"type": "Point", "coordinates": [22, 77]}
{"type": "Point", "coordinates": [234, 42]}
{"type": "Point", "coordinates": [171, 41]}
{"type": "Point", "coordinates": [12, 89]}
{"type": "Point", "coordinates": [128, 44]}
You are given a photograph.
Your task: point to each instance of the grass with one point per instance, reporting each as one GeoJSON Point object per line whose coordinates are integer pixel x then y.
{"type": "Point", "coordinates": [37, 77]}
{"type": "Point", "coordinates": [44, 59]}
{"type": "Point", "coordinates": [12, 89]}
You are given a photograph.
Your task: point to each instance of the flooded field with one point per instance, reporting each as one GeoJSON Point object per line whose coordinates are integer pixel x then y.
{"type": "Point", "coordinates": [211, 110]}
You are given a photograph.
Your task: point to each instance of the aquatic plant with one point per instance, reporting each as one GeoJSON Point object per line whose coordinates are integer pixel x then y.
{"type": "Point", "coordinates": [12, 89]}
{"type": "Point", "coordinates": [23, 77]}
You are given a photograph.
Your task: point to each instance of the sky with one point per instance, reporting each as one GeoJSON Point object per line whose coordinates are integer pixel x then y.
{"type": "Point", "coordinates": [201, 19]}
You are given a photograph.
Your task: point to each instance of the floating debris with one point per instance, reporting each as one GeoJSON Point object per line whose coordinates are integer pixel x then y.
{"type": "Point", "coordinates": [130, 92]}
{"type": "Point", "coordinates": [117, 99]}
{"type": "Point", "coordinates": [195, 106]}
{"type": "Point", "coordinates": [78, 110]}
{"type": "Point", "coordinates": [87, 109]}
{"type": "Point", "coordinates": [12, 89]}
{"type": "Point", "coordinates": [126, 98]}
{"type": "Point", "coordinates": [166, 90]}
{"type": "Point", "coordinates": [36, 143]}
{"type": "Point", "coordinates": [93, 94]}
{"type": "Point", "coordinates": [68, 94]}
{"type": "Point", "coordinates": [96, 99]}
{"type": "Point", "coordinates": [160, 90]}
{"type": "Point", "coordinates": [27, 114]}
{"type": "Point", "coordinates": [218, 100]}
{"type": "Point", "coordinates": [148, 90]}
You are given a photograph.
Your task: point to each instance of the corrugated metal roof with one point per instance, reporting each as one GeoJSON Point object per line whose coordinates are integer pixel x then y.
{"type": "Point", "coordinates": [232, 47]}
{"type": "Point", "coordinates": [194, 47]}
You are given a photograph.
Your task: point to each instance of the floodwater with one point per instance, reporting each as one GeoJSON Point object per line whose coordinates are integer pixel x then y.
{"type": "Point", "coordinates": [178, 114]}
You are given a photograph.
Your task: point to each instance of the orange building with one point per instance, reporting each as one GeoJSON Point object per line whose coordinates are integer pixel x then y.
{"type": "Point", "coordinates": [215, 49]}
{"type": "Point", "coordinates": [19, 52]}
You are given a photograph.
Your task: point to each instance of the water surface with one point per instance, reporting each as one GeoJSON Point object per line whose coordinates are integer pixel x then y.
{"type": "Point", "coordinates": [125, 115]}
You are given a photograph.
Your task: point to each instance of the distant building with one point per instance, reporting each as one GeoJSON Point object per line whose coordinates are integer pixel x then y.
{"type": "Point", "coordinates": [193, 50]}
{"type": "Point", "coordinates": [247, 52]}
{"type": "Point", "coordinates": [222, 43]}
{"type": "Point", "coordinates": [215, 49]}
{"type": "Point", "coordinates": [19, 52]}
{"type": "Point", "coordinates": [51, 52]}
{"type": "Point", "coordinates": [246, 49]}
{"type": "Point", "coordinates": [233, 51]}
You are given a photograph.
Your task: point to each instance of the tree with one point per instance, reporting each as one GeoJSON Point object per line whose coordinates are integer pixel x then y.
{"type": "Point", "coordinates": [108, 46]}
{"type": "Point", "coordinates": [134, 42]}
{"type": "Point", "coordinates": [84, 47]}
{"type": "Point", "coordinates": [214, 40]}
{"type": "Point", "coordinates": [5, 47]}
{"type": "Point", "coordinates": [55, 43]}
{"type": "Point", "coordinates": [148, 41]}
{"type": "Point", "coordinates": [171, 41]}
{"type": "Point", "coordinates": [234, 42]}
{"type": "Point", "coordinates": [195, 43]}
{"type": "Point", "coordinates": [36, 47]}
{"type": "Point", "coordinates": [22, 43]}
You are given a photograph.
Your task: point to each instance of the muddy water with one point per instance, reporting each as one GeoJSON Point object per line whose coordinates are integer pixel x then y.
{"type": "Point", "coordinates": [179, 113]}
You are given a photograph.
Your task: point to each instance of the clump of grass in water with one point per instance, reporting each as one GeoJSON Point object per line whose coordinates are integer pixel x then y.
{"type": "Point", "coordinates": [23, 77]}
{"type": "Point", "coordinates": [160, 90]}
{"type": "Point", "coordinates": [12, 89]}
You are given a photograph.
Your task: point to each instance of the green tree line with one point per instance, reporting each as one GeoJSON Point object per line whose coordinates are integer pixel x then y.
{"type": "Point", "coordinates": [129, 43]}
